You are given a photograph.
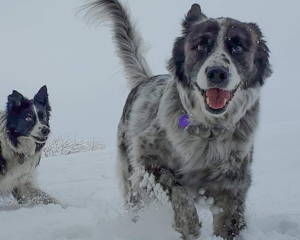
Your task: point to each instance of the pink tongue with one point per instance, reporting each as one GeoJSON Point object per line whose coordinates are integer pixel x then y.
{"type": "Point", "coordinates": [217, 97]}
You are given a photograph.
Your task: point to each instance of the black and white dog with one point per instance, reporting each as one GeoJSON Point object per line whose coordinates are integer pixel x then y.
{"type": "Point", "coordinates": [191, 133]}
{"type": "Point", "coordinates": [24, 129]}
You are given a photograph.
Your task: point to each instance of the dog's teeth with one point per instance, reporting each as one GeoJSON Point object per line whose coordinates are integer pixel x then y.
{"type": "Point", "coordinates": [225, 101]}
{"type": "Point", "coordinates": [207, 101]}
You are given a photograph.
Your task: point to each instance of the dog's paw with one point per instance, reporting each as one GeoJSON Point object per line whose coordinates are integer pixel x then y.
{"type": "Point", "coordinates": [186, 219]}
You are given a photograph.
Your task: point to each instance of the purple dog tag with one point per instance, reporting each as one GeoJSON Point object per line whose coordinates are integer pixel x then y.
{"type": "Point", "coordinates": [184, 121]}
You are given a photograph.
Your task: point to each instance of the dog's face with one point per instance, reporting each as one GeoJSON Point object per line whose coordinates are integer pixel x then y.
{"type": "Point", "coordinates": [218, 57]}
{"type": "Point", "coordinates": [28, 118]}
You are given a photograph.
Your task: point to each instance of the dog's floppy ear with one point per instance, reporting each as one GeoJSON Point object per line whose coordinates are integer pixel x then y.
{"type": "Point", "coordinates": [176, 63]}
{"type": "Point", "coordinates": [261, 58]}
{"type": "Point", "coordinates": [14, 100]}
{"type": "Point", "coordinates": [42, 96]}
{"type": "Point", "coordinates": [194, 15]}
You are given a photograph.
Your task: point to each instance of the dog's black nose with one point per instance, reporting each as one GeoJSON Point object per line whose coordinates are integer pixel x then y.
{"type": "Point", "coordinates": [217, 75]}
{"type": "Point", "coordinates": [45, 131]}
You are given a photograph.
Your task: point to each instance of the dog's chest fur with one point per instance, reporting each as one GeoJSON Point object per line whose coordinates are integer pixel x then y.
{"type": "Point", "coordinates": [15, 172]}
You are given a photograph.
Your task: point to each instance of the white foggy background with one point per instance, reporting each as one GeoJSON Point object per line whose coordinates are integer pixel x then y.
{"type": "Point", "coordinates": [44, 42]}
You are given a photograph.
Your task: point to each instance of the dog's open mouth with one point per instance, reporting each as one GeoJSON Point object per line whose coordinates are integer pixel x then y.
{"type": "Point", "coordinates": [40, 139]}
{"type": "Point", "coordinates": [216, 99]}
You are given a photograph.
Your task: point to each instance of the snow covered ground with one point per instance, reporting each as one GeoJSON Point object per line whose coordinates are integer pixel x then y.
{"type": "Point", "coordinates": [86, 182]}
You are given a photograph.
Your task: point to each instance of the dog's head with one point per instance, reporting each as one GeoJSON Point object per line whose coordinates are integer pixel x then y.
{"type": "Point", "coordinates": [28, 118]}
{"type": "Point", "coordinates": [217, 58]}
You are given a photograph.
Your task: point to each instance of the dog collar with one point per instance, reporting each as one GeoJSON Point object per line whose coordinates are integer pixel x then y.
{"type": "Point", "coordinates": [184, 121]}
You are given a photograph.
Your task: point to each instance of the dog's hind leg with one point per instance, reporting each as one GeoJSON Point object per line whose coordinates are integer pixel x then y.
{"type": "Point", "coordinates": [123, 173]}
{"type": "Point", "coordinates": [123, 164]}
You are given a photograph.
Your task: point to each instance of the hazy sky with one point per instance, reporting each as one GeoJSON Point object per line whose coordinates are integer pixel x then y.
{"type": "Point", "coordinates": [44, 42]}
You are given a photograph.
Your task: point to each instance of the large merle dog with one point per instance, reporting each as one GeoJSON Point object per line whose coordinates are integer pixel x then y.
{"type": "Point", "coordinates": [191, 133]}
{"type": "Point", "coordinates": [24, 129]}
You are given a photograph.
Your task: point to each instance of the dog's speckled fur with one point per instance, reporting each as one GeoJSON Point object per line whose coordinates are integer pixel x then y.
{"type": "Point", "coordinates": [216, 150]}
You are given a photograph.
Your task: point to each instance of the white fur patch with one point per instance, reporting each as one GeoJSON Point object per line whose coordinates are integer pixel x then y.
{"type": "Point", "coordinates": [215, 60]}
{"type": "Point", "coordinates": [242, 101]}
{"type": "Point", "coordinates": [19, 174]}
{"type": "Point", "coordinates": [36, 131]}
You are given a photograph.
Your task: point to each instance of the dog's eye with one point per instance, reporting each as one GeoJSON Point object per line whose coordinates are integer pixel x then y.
{"type": "Point", "coordinates": [202, 48]}
{"type": "Point", "coordinates": [28, 119]}
{"type": "Point", "coordinates": [237, 49]}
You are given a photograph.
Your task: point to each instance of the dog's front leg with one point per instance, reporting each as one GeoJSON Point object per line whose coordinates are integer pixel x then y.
{"type": "Point", "coordinates": [29, 194]}
{"type": "Point", "coordinates": [185, 217]}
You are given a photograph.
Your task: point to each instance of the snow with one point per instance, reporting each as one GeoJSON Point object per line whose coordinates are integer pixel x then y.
{"type": "Point", "coordinates": [156, 191]}
{"type": "Point", "coordinates": [87, 184]}
{"type": "Point", "coordinates": [210, 200]}
{"type": "Point", "coordinates": [201, 191]}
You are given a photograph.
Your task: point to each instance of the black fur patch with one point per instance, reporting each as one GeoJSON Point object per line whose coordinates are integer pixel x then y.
{"type": "Point", "coordinates": [18, 109]}
{"type": "Point", "coordinates": [261, 59]}
{"type": "Point", "coordinates": [39, 146]}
